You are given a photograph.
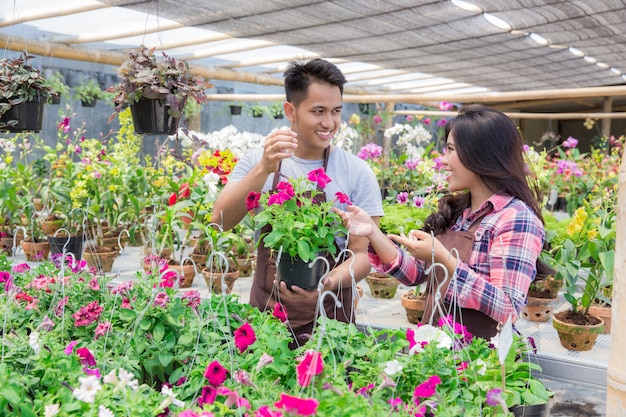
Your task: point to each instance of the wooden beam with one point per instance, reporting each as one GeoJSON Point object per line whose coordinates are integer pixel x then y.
{"type": "Point", "coordinates": [42, 12]}
{"type": "Point", "coordinates": [518, 115]}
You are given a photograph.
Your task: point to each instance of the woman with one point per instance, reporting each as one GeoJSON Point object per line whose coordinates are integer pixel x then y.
{"type": "Point", "coordinates": [491, 218]}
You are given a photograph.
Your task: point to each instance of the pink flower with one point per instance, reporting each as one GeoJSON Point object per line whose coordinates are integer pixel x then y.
{"type": "Point", "coordinates": [46, 324]}
{"type": "Point", "coordinates": [296, 405]}
{"type": "Point", "coordinates": [311, 364]}
{"type": "Point", "coordinates": [87, 314]}
{"type": "Point", "coordinates": [279, 312]}
{"type": "Point", "coordinates": [427, 388]}
{"type": "Point", "coordinates": [243, 378]}
{"type": "Point", "coordinates": [441, 122]}
{"type": "Point", "coordinates": [409, 118]}
{"type": "Point", "coordinates": [287, 187]}
{"type": "Point", "coordinates": [192, 297]}
{"type": "Point", "coordinates": [264, 360]}
{"type": "Point", "coordinates": [244, 337]}
{"type": "Point", "coordinates": [377, 119]}
{"type": "Point", "coordinates": [265, 411]}
{"type": "Point", "coordinates": [161, 299]}
{"type": "Point", "coordinates": [102, 329]}
{"type": "Point", "coordinates": [21, 268]}
{"type": "Point", "coordinates": [7, 279]}
{"type": "Point", "coordinates": [319, 176]}
{"type": "Point", "coordinates": [418, 201]}
{"type": "Point", "coordinates": [94, 285]}
{"type": "Point", "coordinates": [207, 396]}
{"type": "Point", "coordinates": [215, 373]}
{"type": "Point", "coordinates": [342, 198]}
{"type": "Point", "coordinates": [232, 398]}
{"type": "Point", "coordinates": [445, 106]}
{"type": "Point", "coordinates": [126, 303]}
{"type": "Point", "coordinates": [86, 358]}
{"type": "Point", "coordinates": [70, 347]}
{"type": "Point", "coordinates": [252, 201]}
{"type": "Point", "coordinates": [402, 197]}
{"type": "Point", "coordinates": [570, 142]}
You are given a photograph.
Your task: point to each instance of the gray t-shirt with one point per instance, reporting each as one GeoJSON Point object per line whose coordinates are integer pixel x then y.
{"type": "Point", "coordinates": [349, 174]}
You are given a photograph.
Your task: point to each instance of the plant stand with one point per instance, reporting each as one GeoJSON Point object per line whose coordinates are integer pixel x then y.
{"type": "Point", "coordinates": [578, 337]}
{"type": "Point", "coordinates": [382, 285]}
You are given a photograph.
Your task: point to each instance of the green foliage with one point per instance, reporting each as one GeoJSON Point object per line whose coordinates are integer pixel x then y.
{"type": "Point", "coordinates": [89, 91]}
{"type": "Point", "coordinates": [402, 218]}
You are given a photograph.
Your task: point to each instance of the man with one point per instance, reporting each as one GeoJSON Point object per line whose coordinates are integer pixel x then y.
{"type": "Point", "coordinates": [314, 92]}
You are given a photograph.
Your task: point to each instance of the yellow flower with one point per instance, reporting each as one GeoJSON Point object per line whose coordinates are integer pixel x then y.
{"type": "Point", "coordinates": [577, 223]}
{"type": "Point", "coordinates": [592, 234]}
{"type": "Point", "coordinates": [355, 119]}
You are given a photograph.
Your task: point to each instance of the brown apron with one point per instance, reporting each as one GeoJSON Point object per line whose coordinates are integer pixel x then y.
{"type": "Point", "coordinates": [476, 322]}
{"type": "Point", "coordinates": [301, 316]}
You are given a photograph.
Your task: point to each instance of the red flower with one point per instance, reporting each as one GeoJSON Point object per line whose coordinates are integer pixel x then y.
{"type": "Point", "coordinates": [87, 314]}
{"type": "Point", "coordinates": [252, 201]}
{"type": "Point", "coordinates": [244, 337]}
{"type": "Point", "coordinates": [296, 405]}
{"type": "Point", "coordinates": [208, 395]}
{"type": "Point", "coordinates": [319, 176]}
{"type": "Point", "coordinates": [279, 312]}
{"type": "Point", "coordinates": [311, 364]}
{"type": "Point", "coordinates": [215, 373]}
{"type": "Point", "coordinates": [427, 388]}
{"type": "Point", "coordinates": [343, 198]}
{"type": "Point", "coordinates": [172, 199]}
{"type": "Point", "coordinates": [184, 191]}
{"type": "Point", "coordinates": [86, 358]}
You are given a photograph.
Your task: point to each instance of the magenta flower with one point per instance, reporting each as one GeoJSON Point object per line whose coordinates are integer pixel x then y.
{"type": "Point", "coordinates": [87, 314]}
{"type": "Point", "coordinates": [232, 398]}
{"type": "Point", "coordinates": [279, 312]}
{"type": "Point", "coordinates": [427, 388]}
{"type": "Point", "coordinates": [278, 198]}
{"type": "Point", "coordinates": [192, 297]}
{"type": "Point", "coordinates": [311, 364]}
{"type": "Point", "coordinates": [69, 349]}
{"type": "Point", "coordinates": [418, 201]}
{"type": "Point", "coordinates": [441, 122]}
{"type": "Point", "coordinates": [287, 187]}
{"type": "Point", "coordinates": [102, 329]}
{"type": "Point", "coordinates": [265, 411]}
{"type": "Point", "coordinates": [161, 299]}
{"type": "Point", "coordinates": [252, 201]}
{"type": "Point", "coordinates": [86, 358]}
{"type": "Point", "coordinates": [215, 373]}
{"type": "Point", "coordinates": [296, 405]}
{"type": "Point", "coordinates": [207, 396]}
{"type": "Point", "coordinates": [570, 142]}
{"type": "Point", "coordinates": [19, 268]}
{"type": "Point", "coordinates": [402, 197]}
{"type": "Point", "coordinates": [377, 119]}
{"type": "Point", "coordinates": [244, 337]}
{"type": "Point", "coordinates": [342, 198]}
{"type": "Point", "coordinates": [319, 176]}
{"type": "Point", "coordinates": [412, 163]}
{"type": "Point", "coordinates": [7, 279]}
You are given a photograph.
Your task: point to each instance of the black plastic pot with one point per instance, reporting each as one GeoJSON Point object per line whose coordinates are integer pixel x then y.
{"type": "Point", "coordinates": [72, 245]}
{"type": "Point", "coordinates": [235, 110]}
{"type": "Point", "coordinates": [150, 118]}
{"type": "Point", "coordinates": [29, 116]}
{"type": "Point", "coordinates": [88, 103]}
{"type": "Point", "coordinates": [294, 271]}
{"type": "Point", "coordinates": [537, 410]}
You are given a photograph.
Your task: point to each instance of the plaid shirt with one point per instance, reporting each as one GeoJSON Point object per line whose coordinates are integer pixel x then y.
{"type": "Point", "coordinates": [501, 265]}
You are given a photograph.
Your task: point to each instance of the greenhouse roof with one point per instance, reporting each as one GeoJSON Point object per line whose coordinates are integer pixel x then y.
{"type": "Point", "coordinates": [432, 48]}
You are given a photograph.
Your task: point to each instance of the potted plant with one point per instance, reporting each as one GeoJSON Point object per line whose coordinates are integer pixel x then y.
{"type": "Point", "coordinates": [156, 91]}
{"type": "Point", "coordinates": [56, 82]}
{"type": "Point", "coordinates": [235, 108]}
{"type": "Point", "coordinates": [23, 93]}
{"type": "Point", "coordinates": [88, 93]}
{"type": "Point", "coordinates": [585, 263]}
{"type": "Point", "coordinates": [257, 110]}
{"type": "Point", "coordinates": [276, 110]}
{"type": "Point", "coordinates": [541, 302]}
{"type": "Point", "coordinates": [220, 262]}
{"type": "Point", "coordinates": [301, 228]}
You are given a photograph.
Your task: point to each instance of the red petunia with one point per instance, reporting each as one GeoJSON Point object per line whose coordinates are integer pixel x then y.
{"type": "Point", "coordinates": [184, 191]}
{"type": "Point", "coordinates": [296, 405]}
{"type": "Point", "coordinates": [172, 199]}
{"type": "Point", "coordinates": [343, 198]}
{"type": "Point", "coordinates": [252, 201]}
{"type": "Point", "coordinates": [86, 358]}
{"type": "Point", "coordinates": [310, 365]}
{"type": "Point", "coordinates": [244, 337]}
{"type": "Point", "coordinates": [207, 396]}
{"type": "Point", "coordinates": [215, 373]}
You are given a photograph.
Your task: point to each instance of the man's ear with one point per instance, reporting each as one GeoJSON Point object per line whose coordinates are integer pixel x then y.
{"type": "Point", "coordinates": [290, 111]}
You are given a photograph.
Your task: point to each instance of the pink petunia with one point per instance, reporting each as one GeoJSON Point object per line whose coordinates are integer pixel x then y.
{"type": "Point", "coordinates": [311, 364]}
{"type": "Point", "coordinates": [86, 358]}
{"type": "Point", "coordinates": [244, 337]}
{"type": "Point", "coordinates": [215, 373]}
{"type": "Point", "coordinates": [319, 176]}
{"type": "Point", "coordinates": [207, 396]}
{"type": "Point", "coordinates": [427, 388]}
{"type": "Point", "coordinates": [278, 198]}
{"type": "Point", "coordinates": [232, 398]}
{"type": "Point", "coordinates": [296, 405]}
{"type": "Point", "coordinates": [69, 349]}
{"type": "Point", "coordinates": [88, 314]}
{"type": "Point", "coordinates": [343, 198]}
{"type": "Point", "coordinates": [102, 329]}
{"type": "Point", "coordinates": [279, 312]}
{"type": "Point", "coordinates": [19, 268]}
{"type": "Point", "coordinates": [252, 201]}
{"type": "Point", "coordinates": [286, 187]}
{"type": "Point", "coordinates": [7, 279]}
{"type": "Point", "coordinates": [265, 411]}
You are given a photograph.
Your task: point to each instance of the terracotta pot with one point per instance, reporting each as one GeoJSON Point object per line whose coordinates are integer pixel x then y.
{"type": "Point", "coordinates": [414, 307]}
{"type": "Point", "coordinates": [214, 280]}
{"type": "Point", "coordinates": [576, 336]}
{"type": "Point", "coordinates": [382, 285]}
{"type": "Point", "coordinates": [36, 252]}
{"type": "Point", "coordinates": [6, 244]}
{"type": "Point", "coordinates": [245, 266]}
{"type": "Point", "coordinates": [539, 309]}
{"type": "Point", "coordinates": [553, 285]}
{"type": "Point", "coordinates": [50, 226]}
{"type": "Point", "coordinates": [187, 274]}
{"type": "Point", "coordinates": [604, 312]}
{"type": "Point", "coordinates": [101, 258]}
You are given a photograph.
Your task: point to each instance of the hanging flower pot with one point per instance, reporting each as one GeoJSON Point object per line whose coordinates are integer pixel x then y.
{"type": "Point", "coordinates": [70, 244]}
{"type": "Point", "coordinates": [294, 271]}
{"type": "Point", "coordinates": [101, 258]}
{"type": "Point", "coordinates": [29, 116]}
{"type": "Point", "coordinates": [151, 117]}
{"type": "Point", "coordinates": [235, 110]}
{"type": "Point", "coordinates": [213, 280]}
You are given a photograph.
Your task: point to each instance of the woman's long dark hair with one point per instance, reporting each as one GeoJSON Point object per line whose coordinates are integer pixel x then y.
{"type": "Point", "coordinates": [488, 144]}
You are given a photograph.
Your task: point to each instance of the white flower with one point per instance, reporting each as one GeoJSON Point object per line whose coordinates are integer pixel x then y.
{"type": "Point", "coordinates": [392, 367]}
{"type": "Point", "coordinates": [128, 379]}
{"type": "Point", "coordinates": [110, 378]}
{"type": "Point", "coordinates": [51, 410]}
{"type": "Point", "coordinates": [33, 341]}
{"type": "Point", "coordinates": [167, 391]}
{"type": "Point", "coordinates": [345, 137]}
{"type": "Point", "coordinates": [89, 387]}
{"type": "Point", "coordinates": [430, 334]}
{"type": "Point", "coordinates": [105, 412]}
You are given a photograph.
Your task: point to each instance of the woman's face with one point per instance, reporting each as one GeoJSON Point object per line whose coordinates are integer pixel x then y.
{"type": "Point", "coordinates": [459, 178]}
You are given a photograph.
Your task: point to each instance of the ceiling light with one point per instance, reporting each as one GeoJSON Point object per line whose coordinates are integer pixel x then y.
{"type": "Point", "coordinates": [602, 65]}
{"type": "Point", "coordinates": [576, 52]}
{"type": "Point", "coordinates": [616, 71]}
{"type": "Point", "coordinates": [467, 6]}
{"type": "Point", "coordinates": [497, 22]}
{"type": "Point", "coordinates": [624, 77]}
{"type": "Point", "coordinates": [539, 39]}
{"type": "Point", "coordinates": [591, 60]}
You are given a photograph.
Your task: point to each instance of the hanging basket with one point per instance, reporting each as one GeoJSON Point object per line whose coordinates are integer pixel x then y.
{"type": "Point", "coordinates": [150, 117]}
{"type": "Point", "coordinates": [294, 271]}
{"type": "Point", "coordinates": [29, 116]}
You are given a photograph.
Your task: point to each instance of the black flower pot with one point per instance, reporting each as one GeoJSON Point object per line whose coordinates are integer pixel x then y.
{"type": "Point", "coordinates": [29, 116]}
{"type": "Point", "coordinates": [73, 244]}
{"type": "Point", "coordinates": [294, 271]}
{"type": "Point", "coordinates": [150, 117]}
{"type": "Point", "coordinates": [89, 102]}
{"type": "Point", "coordinates": [536, 410]}
{"type": "Point", "coordinates": [235, 110]}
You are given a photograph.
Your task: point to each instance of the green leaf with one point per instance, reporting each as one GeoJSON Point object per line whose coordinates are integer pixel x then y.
{"type": "Point", "coordinates": [158, 332]}
{"type": "Point", "coordinates": [165, 358]}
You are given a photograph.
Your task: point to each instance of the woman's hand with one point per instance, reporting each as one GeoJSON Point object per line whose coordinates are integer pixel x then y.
{"type": "Point", "coordinates": [424, 246]}
{"type": "Point", "coordinates": [357, 221]}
